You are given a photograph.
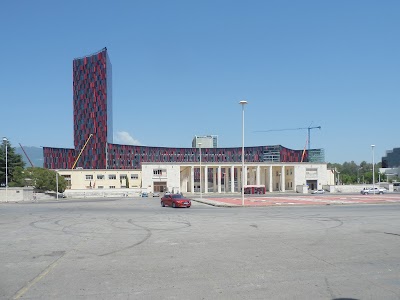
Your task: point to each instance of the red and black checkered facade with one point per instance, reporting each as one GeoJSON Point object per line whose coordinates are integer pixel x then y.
{"type": "Point", "coordinates": [92, 105]}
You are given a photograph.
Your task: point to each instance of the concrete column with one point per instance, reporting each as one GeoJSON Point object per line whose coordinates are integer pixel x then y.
{"type": "Point", "coordinates": [270, 179]}
{"type": "Point", "coordinates": [294, 179]}
{"type": "Point", "coordinates": [214, 180]}
{"type": "Point", "coordinates": [283, 175]}
{"type": "Point", "coordinates": [192, 179]}
{"type": "Point", "coordinates": [258, 175]}
{"type": "Point", "coordinates": [232, 179]}
{"type": "Point", "coordinates": [239, 178]}
{"type": "Point", "coordinates": [219, 179]}
{"type": "Point", "coordinates": [205, 179]}
{"type": "Point", "coordinates": [245, 175]}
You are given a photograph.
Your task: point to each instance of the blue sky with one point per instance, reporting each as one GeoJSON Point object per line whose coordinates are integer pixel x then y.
{"type": "Point", "coordinates": [180, 69]}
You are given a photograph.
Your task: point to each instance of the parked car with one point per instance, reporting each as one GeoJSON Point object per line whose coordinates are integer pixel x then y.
{"type": "Point", "coordinates": [175, 200]}
{"type": "Point", "coordinates": [376, 190]}
{"type": "Point", "coordinates": [156, 194]}
{"type": "Point", "coordinates": [318, 192]}
{"type": "Point", "coordinates": [145, 194]}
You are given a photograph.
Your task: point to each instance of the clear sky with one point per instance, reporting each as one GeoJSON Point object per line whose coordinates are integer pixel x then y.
{"type": "Point", "coordinates": [180, 69]}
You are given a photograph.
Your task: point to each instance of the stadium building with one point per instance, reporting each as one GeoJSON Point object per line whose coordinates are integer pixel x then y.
{"type": "Point", "coordinates": [95, 152]}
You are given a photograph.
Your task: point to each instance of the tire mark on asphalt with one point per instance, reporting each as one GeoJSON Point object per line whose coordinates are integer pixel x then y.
{"type": "Point", "coordinates": [38, 278]}
{"type": "Point", "coordinates": [392, 233]}
{"type": "Point", "coordinates": [148, 235]}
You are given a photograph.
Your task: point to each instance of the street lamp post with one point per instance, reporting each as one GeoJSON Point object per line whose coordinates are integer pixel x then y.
{"type": "Point", "coordinates": [5, 141]}
{"type": "Point", "coordinates": [243, 103]}
{"type": "Point", "coordinates": [373, 168]}
{"type": "Point", "coordinates": [201, 194]}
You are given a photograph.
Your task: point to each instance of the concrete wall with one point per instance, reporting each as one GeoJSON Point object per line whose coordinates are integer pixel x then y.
{"type": "Point", "coordinates": [102, 193]}
{"type": "Point", "coordinates": [16, 194]}
{"type": "Point", "coordinates": [356, 188]}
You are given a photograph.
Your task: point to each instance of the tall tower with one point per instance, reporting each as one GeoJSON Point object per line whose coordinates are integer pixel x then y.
{"type": "Point", "coordinates": [92, 104]}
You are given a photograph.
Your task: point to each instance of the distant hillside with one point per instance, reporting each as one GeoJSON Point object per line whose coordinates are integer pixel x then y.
{"type": "Point", "coordinates": [35, 155]}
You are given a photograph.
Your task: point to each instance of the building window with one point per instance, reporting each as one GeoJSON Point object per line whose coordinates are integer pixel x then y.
{"type": "Point", "coordinates": [89, 177]}
{"type": "Point", "coordinates": [134, 176]}
{"type": "Point", "coordinates": [157, 172]}
{"type": "Point", "coordinates": [100, 176]}
{"type": "Point", "coordinates": [112, 186]}
{"type": "Point", "coordinates": [112, 176]}
{"type": "Point", "coordinates": [122, 176]}
{"type": "Point", "coordinates": [100, 187]}
{"type": "Point", "coordinates": [287, 172]}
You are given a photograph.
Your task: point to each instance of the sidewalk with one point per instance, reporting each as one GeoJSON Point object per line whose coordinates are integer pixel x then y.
{"type": "Point", "coordinates": [293, 199]}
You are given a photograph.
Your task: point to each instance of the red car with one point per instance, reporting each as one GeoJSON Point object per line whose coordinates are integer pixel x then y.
{"type": "Point", "coordinates": [175, 200]}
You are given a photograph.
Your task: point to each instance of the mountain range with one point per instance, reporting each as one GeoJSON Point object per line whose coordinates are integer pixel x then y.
{"type": "Point", "coordinates": [35, 154]}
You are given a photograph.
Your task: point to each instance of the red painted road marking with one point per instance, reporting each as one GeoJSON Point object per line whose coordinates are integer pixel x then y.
{"type": "Point", "coordinates": [309, 200]}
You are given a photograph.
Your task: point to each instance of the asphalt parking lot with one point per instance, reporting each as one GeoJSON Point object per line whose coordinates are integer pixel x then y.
{"type": "Point", "coordinates": [135, 249]}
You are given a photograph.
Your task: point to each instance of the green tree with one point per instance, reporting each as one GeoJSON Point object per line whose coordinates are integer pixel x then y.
{"type": "Point", "coordinates": [15, 164]}
{"type": "Point", "coordinates": [19, 179]}
{"type": "Point", "coordinates": [45, 179]}
{"type": "Point", "coordinates": [351, 173]}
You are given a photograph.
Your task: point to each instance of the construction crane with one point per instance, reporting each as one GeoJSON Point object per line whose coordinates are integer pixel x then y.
{"type": "Point", "coordinates": [299, 128]}
{"type": "Point", "coordinates": [83, 148]}
{"type": "Point", "coordinates": [26, 155]}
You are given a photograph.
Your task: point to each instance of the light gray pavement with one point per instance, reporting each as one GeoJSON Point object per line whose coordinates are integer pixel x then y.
{"type": "Point", "coordinates": [135, 249]}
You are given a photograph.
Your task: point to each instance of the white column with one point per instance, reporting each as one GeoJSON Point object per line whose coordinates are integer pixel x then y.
{"type": "Point", "coordinates": [270, 179]}
{"type": "Point", "coordinates": [294, 179]}
{"type": "Point", "coordinates": [215, 188]}
{"type": "Point", "coordinates": [232, 179]}
{"type": "Point", "coordinates": [205, 179]}
{"type": "Point", "coordinates": [283, 181]}
{"type": "Point", "coordinates": [258, 175]}
{"type": "Point", "coordinates": [239, 179]}
{"type": "Point", "coordinates": [245, 175]}
{"type": "Point", "coordinates": [192, 179]}
{"type": "Point", "coordinates": [219, 179]}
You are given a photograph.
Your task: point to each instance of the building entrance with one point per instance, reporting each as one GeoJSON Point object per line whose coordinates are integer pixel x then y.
{"type": "Point", "coordinates": [312, 184]}
{"type": "Point", "coordinates": [160, 186]}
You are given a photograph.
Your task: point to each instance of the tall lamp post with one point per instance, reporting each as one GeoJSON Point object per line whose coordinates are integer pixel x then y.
{"type": "Point", "coordinates": [243, 103]}
{"type": "Point", "coordinates": [5, 141]}
{"type": "Point", "coordinates": [373, 168]}
{"type": "Point", "coordinates": [201, 194]}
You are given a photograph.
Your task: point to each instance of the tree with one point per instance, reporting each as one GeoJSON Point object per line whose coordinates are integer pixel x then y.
{"type": "Point", "coordinates": [18, 178]}
{"type": "Point", "coordinates": [45, 179]}
{"type": "Point", "coordinates": [15, 164]}
{"type": "Point", "coordinates": [351, 173]}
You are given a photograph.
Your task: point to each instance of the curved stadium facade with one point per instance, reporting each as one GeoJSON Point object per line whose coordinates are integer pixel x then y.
{"type": "Point", "coordinates": [92, 110]}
